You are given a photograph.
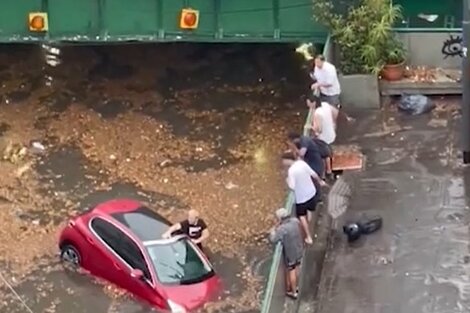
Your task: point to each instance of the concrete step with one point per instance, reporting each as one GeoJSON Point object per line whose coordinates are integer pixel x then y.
{"type": "Point", "coordinates": [444, 82]}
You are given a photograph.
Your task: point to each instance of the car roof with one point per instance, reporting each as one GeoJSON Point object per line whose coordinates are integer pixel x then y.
{"type": "Point", "coordinates": [144, 223]}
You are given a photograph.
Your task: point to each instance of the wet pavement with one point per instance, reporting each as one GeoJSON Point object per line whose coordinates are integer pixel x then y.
{"type": "Point", "coordinates": [419, 261]}
{"type": "Point", "coordinates": [175, 126]}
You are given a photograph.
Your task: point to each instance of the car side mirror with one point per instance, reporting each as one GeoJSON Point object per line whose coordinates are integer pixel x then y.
{"type": "Point", "coordinates": [137, 274]}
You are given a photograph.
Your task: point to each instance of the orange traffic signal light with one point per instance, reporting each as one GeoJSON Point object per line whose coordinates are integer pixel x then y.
{"type": "Point", "coordinates": [38, 22]}
{"type": "Point", "coordinates": [189, 19]}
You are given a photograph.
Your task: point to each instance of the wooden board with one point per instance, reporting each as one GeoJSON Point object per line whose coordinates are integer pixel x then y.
{"type": "Point", "coordinates": [347, 158]}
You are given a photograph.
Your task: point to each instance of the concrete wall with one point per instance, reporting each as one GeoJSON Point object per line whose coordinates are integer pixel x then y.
{"type": "Point", "coordinates": [357, 91]}
{"type": "Point", "coordinates": [360, 91]}
{"type": "Point", "coordinates": [435, 49]}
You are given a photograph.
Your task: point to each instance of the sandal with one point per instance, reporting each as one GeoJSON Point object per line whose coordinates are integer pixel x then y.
{"type": "Point", "coordinates": [292, 295]}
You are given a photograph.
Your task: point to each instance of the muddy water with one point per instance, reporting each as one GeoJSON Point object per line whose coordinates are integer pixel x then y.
{"type": "Point", "coordinates": [176, 126]}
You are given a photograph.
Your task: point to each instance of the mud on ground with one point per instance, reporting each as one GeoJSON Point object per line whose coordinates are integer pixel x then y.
{"type": "Point", "coordinates": [176, 126]}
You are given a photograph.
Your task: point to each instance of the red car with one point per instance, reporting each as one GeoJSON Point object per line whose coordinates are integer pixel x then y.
{"type": "Point", "coordinates": [121, 242]}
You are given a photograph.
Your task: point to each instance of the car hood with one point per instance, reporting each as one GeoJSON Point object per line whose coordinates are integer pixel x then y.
{"type": "Point", "coordinates": [195, 295]}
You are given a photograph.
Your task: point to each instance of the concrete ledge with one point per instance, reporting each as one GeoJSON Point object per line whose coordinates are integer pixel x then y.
{"type": "Point", "coordinates": [311, 268]}
{"type": "Point", "coordinates": [359, 91]}
{"type": "Point", "coordinates": [310, 275]}
{"type": "Point", "coordinates": [405, 86]}
{"type": "Point", "coordinates": [274, 295]}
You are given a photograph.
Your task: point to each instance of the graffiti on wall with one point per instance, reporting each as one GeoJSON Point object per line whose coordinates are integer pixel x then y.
{"type": "Point", "coordinates": [453, 47]}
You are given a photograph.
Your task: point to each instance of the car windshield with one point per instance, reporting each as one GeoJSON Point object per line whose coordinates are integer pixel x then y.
{"type": "Point", "coordinates": [178, 262]}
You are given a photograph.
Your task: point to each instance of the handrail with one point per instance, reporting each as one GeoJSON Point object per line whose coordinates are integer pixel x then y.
{"type": "Point", "coordinates": [426, 30]}
{"type": "Point", "coordinates": [268, 294]}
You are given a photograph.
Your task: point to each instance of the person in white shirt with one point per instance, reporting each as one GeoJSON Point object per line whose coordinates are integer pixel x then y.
{"type": "Point", "coordinates": [323, 125]}
{"type": "Point", "coordinates": [300, 178]}
{"type": "Point", "coordinates": [326, 83]}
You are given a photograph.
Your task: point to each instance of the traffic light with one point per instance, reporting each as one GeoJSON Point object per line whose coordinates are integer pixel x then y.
{"type": "Point", "coordinates": [38, 22]}
{"type": "Point", "coordinates": [189, 19]}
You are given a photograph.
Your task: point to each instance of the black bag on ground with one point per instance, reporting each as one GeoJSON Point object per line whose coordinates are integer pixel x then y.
{"type": "Point", "coordinates": [415, 104]}
{"type": "Point", "coordinates": [365, 225]}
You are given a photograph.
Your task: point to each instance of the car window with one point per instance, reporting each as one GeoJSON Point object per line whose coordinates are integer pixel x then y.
{"type": "Point", "coordinates": [144, 223]}
{"type": "Point", "coordinates": [107, 231]}
{"type": "Point", "coordinates": [131, 253]}
{"type": "Point", "coordinates": [122, 245]}
{"type": "Point", "coordinates": [179, 263]}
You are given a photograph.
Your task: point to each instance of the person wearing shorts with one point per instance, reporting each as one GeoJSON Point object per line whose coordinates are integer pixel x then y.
{"type": "Point", "coordinates": [326, 153]}
{"type": "Point", "coordinates": [306, 208]}
{"type": "Point", "coordinates": [305, 148]}
{"type": "Point", "coordinates": [333, 99]}
{"type": "Point", "coordinates": [326, 83]}
{"type": "Point", "coordinates": [300, 179]}
{"type": "Point", "coordinates": [323, 129]}
{"type": "Point", "coordinates": [288, 233]}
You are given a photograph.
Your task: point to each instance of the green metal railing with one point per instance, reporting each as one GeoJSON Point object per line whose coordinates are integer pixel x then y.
{"type": "Point", "coordinates": [276, 262]}
{"type": "Point", "coordinates": [267, 303]}
{"type": "Point", "coordinates": [427, 30]}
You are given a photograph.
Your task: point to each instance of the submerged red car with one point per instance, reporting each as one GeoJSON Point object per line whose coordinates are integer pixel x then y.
{"type": "Point", "coordinates": [121, 242]}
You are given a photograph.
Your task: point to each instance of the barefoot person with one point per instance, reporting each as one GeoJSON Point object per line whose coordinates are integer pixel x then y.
{"type": "Point", "coordinates": [300, 177]}
{"type": "Point", "coordinates": [305, 148]}
{"type": "Point", "coordinates": [287, 232]}
{"type": "Point", "coordinates": [194, 227]}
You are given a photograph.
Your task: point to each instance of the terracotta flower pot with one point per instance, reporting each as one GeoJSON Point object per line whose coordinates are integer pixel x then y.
{"type": "Point", "coordinates": [393, 72]}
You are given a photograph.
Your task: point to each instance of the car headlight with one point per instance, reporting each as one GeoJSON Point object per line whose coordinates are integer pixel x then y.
{"type": "Point", "coordinates": [176, 308]}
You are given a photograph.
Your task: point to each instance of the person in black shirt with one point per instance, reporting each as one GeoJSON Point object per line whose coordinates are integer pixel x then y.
{"type": "Point", "coordinates": [193, 227]}
{"type": "Point", "coordinates": [308, 150]}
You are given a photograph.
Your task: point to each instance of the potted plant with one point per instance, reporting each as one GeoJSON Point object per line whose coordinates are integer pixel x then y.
{"type": "Point", "coordinates": [395, 57]}
{"type": "Point", "coordinates": [363, 33]}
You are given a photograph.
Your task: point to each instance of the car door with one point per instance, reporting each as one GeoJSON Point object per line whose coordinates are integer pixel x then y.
{"type": "Point", "coordinates": [108, 264]}
{"type": "Point", "coordinates": [144, 288]}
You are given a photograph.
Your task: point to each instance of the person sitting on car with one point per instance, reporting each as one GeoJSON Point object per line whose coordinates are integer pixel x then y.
{"type": "Point", "coordinates": [193, 227]}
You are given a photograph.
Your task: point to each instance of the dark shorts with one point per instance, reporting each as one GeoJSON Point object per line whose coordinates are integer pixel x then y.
{"type": "Point", "coordinates": [324, 148]}
{"type": "Point", "coordinates": [317, 196]}
{"type": "Point", "coordinates": [333, 100]}
{"type": "Point", "coordinates": [290, 266]}
{"type": "Point", "coordinates": [302, 208]}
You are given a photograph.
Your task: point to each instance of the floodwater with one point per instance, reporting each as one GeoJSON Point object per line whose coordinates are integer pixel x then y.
{"type": "Point", "coordinates": [176, 126]}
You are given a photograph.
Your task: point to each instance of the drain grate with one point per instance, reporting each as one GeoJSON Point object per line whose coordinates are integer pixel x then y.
{"type": "Point", "coordinates": [339, 197]}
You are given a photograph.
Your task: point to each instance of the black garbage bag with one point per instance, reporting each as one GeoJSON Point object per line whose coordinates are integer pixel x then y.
{"type": "Point", "coordinates": [415, 104]}
{"type": "Point", "coordinates": [364, 226]}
